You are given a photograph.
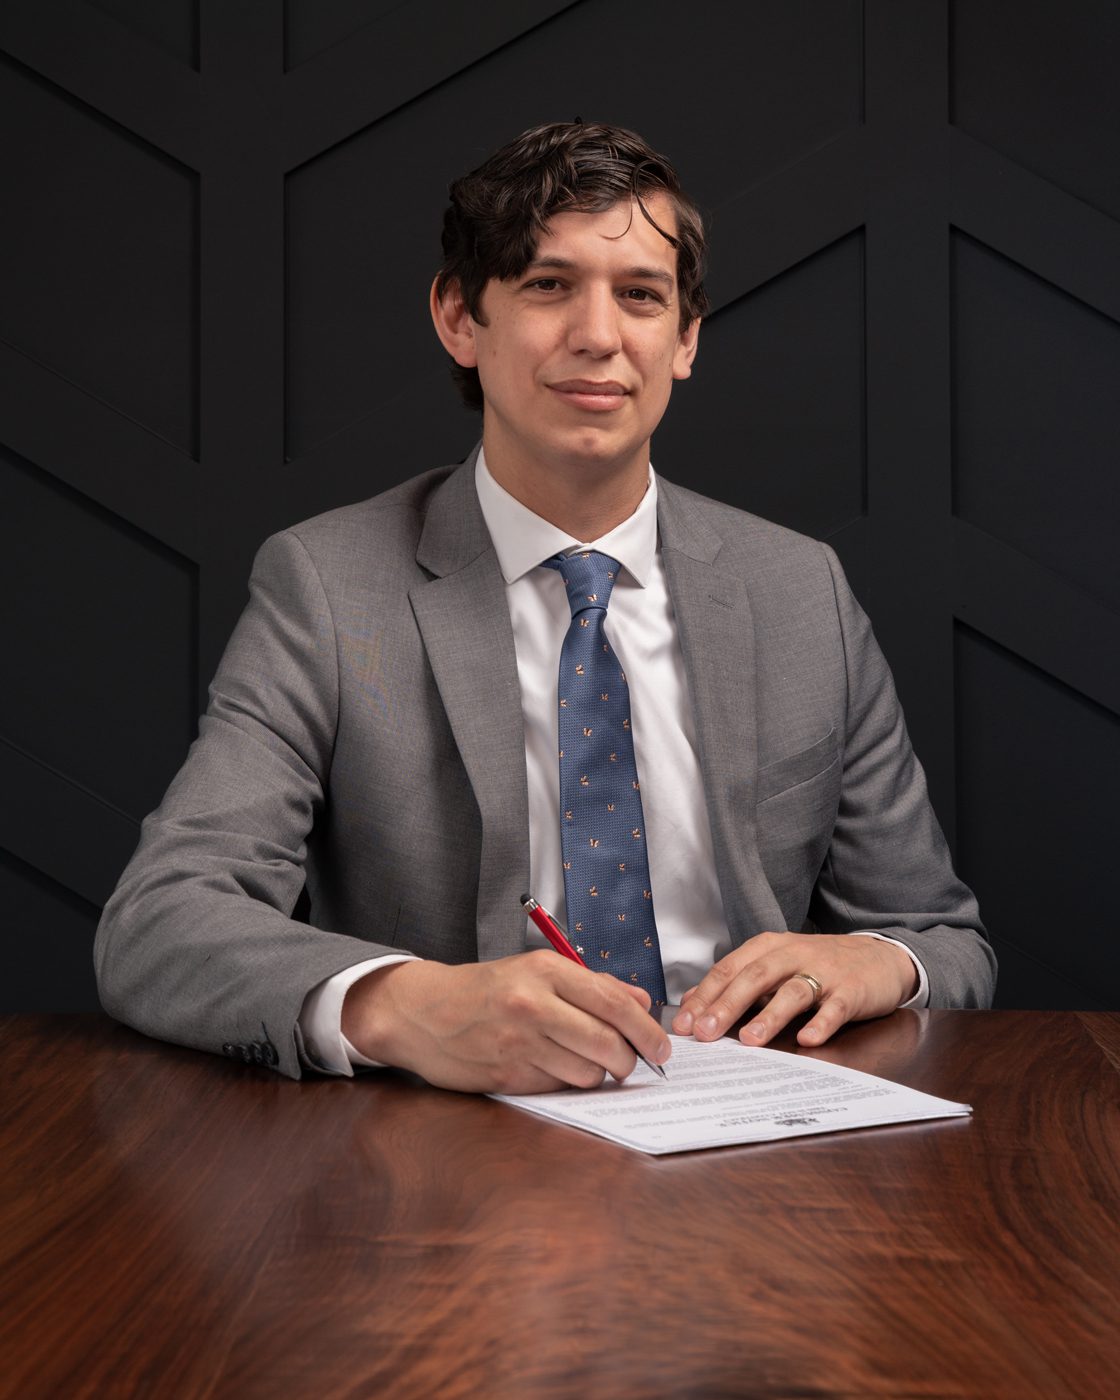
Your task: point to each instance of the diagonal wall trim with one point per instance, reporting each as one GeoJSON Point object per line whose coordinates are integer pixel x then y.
{"type": "Point", "coordinates": [787, 217]}
{"type": "Point", "coordinates": [1054, 235]}
{"type": "Point", "coordinates": [98, 451]}
{"type": "Point", "coordinates": [60, 828]}
{"type": "Point", "coordinates": [1034, 613]}
{"type": "Point", "coordinates": [157, 544]}
{"type": "Point", "coordinates": [412, 50]}
{"type": "Point", "coordinates": [105, 65]}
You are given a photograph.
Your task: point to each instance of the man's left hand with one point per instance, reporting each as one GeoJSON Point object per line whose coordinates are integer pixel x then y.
{"type": "Point", "coordinates": [859, 978]}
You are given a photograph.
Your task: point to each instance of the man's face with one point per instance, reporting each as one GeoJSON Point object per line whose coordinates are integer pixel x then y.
{"type": "Point", "coordinates": [579, 353]}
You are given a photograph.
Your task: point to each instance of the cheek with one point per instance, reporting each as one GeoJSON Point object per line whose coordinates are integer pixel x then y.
{"type": "Point", "coordinates": [511, 355]}
{"type": "Point", "coordinates": [660, 358]}
{"type": "Point", "coordinates": [659, 371]}
{"type": "Point", "coordinates": [496, 366]}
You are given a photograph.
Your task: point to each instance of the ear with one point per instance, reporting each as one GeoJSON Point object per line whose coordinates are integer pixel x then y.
{"type": "Point", "coordinates": [685, 352]}
{"type": "Point", "coordinates": [454, 324]}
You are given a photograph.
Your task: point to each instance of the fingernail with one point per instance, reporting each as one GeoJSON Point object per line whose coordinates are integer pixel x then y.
{"type": "Point", "coordinates": [683, 1023]}
{"type": "Point", "coordinates": [707, 1025]}
{"type": "Point", "coordinates": [757, 1029]}
{"type": "Point", "coordinates": [664, 1050]}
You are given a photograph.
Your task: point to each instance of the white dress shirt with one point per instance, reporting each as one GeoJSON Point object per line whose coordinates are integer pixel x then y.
{"type": "Point", "coordinates": [642, 629]}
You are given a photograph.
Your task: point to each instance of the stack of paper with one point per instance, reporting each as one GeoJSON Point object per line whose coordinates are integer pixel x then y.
{"type": "Point", "coordinates": [720, 1092]}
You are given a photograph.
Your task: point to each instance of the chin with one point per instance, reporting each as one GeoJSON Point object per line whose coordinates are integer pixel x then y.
{"type": "Point", "coordinates": [593, 447]}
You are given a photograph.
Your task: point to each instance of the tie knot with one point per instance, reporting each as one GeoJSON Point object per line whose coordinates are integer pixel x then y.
{"type": "Point", "coordinates": [588, 576]}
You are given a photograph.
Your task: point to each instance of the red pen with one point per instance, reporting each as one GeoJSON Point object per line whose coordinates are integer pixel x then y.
{"type": "Point", "coordinates": [557, 937]}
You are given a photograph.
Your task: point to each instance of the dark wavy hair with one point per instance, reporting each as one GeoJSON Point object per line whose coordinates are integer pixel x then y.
{"type": "Point", "coordinates": [499, 211]}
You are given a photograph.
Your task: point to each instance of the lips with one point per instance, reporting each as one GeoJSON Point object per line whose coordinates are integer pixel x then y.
{"type": "Point", "coordinates": [608, 388]}
{"type": "Point", "coordinates": [591, 395]}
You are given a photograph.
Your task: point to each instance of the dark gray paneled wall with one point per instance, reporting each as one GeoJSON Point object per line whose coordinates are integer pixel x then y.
{"type": "Point", "coordinates": [220, 224]}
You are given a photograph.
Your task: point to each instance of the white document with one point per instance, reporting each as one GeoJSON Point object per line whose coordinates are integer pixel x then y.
{"type": "Point", "coordinates": [720, 1092]}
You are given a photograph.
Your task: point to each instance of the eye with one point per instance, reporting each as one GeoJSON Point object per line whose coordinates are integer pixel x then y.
{"type": "Point", "coordinates": [643, 296]}
{"type": "Point", "coordinates": [544, 284]}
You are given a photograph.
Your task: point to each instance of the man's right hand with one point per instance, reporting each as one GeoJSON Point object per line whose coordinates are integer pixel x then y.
{"type": "Point", "coordinates": [519, 1025]}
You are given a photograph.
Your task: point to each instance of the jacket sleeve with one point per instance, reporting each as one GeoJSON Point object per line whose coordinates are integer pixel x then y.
{"type": "Point", "coordinates": [197, 945]}
{"type": "Point", "coordinates": [888, 866]}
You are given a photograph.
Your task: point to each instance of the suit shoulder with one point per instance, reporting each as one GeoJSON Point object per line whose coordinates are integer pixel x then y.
{"type": "Point", "coordinates": [395, 516]}
{"type": "Point", "coordinates": [763, 542]}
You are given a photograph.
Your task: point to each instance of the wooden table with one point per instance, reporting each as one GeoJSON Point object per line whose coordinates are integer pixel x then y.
{"type": "Point", "coordinates": [175, 1225]}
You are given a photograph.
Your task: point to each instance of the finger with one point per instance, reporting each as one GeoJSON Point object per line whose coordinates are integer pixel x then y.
{"type": "Point", "coordinates": [710, 986]}
{"type": "Point", "coordinates": [552, 1068]}
{"type": "Point", "coordinates": [720, 992]}
{"type": "Point", "coordinates": [523, 1079]}
{"type": "Point", "coordinates": [612, 1003]}
{"type": "Point", "coordinates": [570, 1069]}
{"type": "Point", "coordinates": [593, 1016]}
{"type": "Point", "coordinates": [544, 1041]}
{"type": "Point", "coordinates": [592, 1041]}
{"type": "Point", "coordinates": [833, 1012]}
{"type": "Point", "coordinates": [793, 998]}
{"type": "Point", "coordinates": [758, 980]}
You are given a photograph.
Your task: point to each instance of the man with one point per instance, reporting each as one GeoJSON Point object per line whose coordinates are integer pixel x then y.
{"type": "Point", "coordinates": [544, 670]}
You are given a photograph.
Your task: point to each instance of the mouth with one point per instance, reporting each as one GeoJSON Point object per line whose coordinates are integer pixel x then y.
{"type": "Point", "coordinates": [598, 395]}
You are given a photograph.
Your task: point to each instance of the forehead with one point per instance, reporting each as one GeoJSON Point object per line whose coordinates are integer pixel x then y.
{"type": "Point", "coordinates": [618, 234]}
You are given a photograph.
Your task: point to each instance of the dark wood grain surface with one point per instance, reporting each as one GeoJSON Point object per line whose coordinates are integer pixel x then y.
{"type": "Point", "coordinates": [176, 1225]}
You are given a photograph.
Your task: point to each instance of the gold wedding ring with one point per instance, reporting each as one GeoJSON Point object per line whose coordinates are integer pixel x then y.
{"type": "Point", "coordinates": [818, 990]}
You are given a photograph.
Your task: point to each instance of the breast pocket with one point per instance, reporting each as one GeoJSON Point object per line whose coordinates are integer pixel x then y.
{"type": "Point", "coordinates": [776, 779]}
{"type": "Point", "coordinates": [798, 798]}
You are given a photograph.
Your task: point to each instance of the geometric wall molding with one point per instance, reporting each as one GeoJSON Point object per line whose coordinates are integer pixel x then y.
{"type": "Point", "coordinates": [99, 264]}
{"type": "Point", "coordinates": [100, 623]}
{"type": "Point", "coordinates": [1037, 615]}
{"type": "Point", "coordinates": [171, 27]}
{"type": "Point", "coordinates": [790, 356]}
{"type": "Point", "coordinates": [119, 68]}
{"type": "Point", "coordinates": [1029, 745]}
{"type": "Point", "coordinates": [410, 49]}
{"type": "Point", "coordinates": [55, 826]}
{"type": "Point", "coordinates": [1036, 440]}
{"type": "Point", "coordinates": [51, 921]}
{"type": "Point", "coordinates": [132, 472]}
{"type": "Point", "coordinates": [787, 217]}
{"type": "Point", "coordinates": [1037, 225]}
{"type": "Point", "coordinates": [1040, 87]}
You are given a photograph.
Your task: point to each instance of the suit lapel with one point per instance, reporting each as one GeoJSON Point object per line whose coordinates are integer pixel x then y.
{"type": "Point", "coordinates": [717, 640]}
{"type": "Point", "coordinates": [464, 621]}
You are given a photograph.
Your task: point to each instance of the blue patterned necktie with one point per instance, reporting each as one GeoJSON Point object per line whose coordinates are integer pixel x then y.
{"type": "Point", "coordinates": [602, 830]}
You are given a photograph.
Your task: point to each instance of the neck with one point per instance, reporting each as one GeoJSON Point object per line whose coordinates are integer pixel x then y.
{"type": "Point", "coordinates": [584, 500]}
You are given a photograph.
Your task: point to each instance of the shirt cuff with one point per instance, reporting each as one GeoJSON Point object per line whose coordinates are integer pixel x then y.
{"type": "Point", "coordinates": [920, 998]}
{"type": "Point", "coordinates": [324, 1046]}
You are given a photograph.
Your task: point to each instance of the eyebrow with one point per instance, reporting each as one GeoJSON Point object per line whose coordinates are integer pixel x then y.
{"type": "Point", "coordinates": [640, 273]}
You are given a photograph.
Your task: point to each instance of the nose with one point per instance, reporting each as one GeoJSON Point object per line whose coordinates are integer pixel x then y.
{"type": "Point", "coordinates": [594, 326]}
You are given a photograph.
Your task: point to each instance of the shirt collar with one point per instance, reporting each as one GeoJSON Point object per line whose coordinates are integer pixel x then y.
{"type": "Point", "coordinates": [523, 539]}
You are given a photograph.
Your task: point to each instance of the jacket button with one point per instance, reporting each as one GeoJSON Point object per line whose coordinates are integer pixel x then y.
{"type": "Point", "coordinates": [245, 1052]}
{"type": "Point", "coordinates": [270, 1055]}
{"type": "Point", "coordinates": [227, 1048]}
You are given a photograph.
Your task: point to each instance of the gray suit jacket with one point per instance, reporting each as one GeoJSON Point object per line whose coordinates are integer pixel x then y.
{"type": "Point", "coordinates": [364, 734]}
